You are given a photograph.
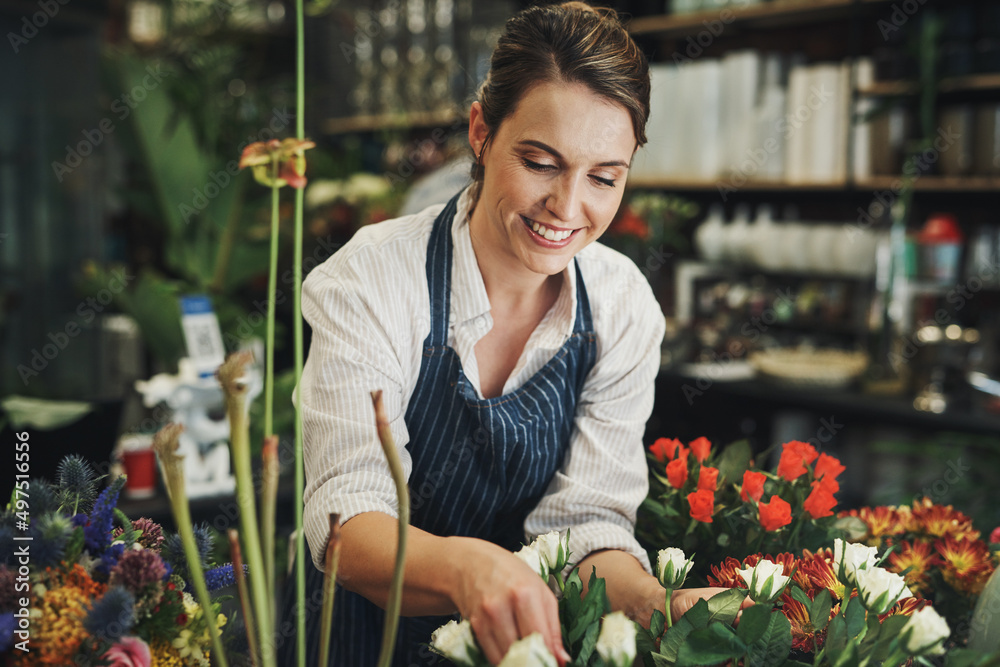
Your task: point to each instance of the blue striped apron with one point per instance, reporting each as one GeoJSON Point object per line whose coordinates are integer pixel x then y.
{"type": "Point", "coordinates": [479, 465]}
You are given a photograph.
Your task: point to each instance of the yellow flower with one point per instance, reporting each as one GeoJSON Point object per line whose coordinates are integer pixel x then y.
{"type": "Point", "coordinates": [165, 655]}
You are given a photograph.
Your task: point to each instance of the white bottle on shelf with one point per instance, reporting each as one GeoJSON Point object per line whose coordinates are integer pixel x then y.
{"type": "Point", "coordinates": [709, 237]}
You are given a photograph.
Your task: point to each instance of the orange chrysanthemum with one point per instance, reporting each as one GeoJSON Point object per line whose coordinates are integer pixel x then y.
{"type": "Point", "coordinates": [881, 521]}
{"type": "Point", "coordinates": [57, 632]}
{"type": "Point", "coordinates": [815, 573]}
{"type": "Point", "coordinates": [942, 520]}
{"type": "Point", "coordinates": [966, 564]}
{"type": "Point", "coordinates": [804, 635]}
{"type": "Point", "coordinates": [905, 608]}
{"type": "Point", "coordinates": [918, 558]}
{"type": "Point", "coordinates": [701, 448]}
{"type": "Point", "coordinates": [726, 574]}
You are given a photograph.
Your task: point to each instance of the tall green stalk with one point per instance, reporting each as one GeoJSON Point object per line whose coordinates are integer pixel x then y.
{"type": "Point", "coordinates": [234, 385]}
{"type": "Point", "coordinates": [300, 543]}
{"type": "Point", "coordinates": [403, 497]}
{"type": "Point", "coordinates": [272, 288]}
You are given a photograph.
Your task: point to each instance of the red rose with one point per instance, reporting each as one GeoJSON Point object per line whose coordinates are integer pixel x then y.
{"type": "Point", "coordinates": [701, 447]}
{"type": "Point", "coordinates": [820, 502]}
{"type": "Point", "coordinates": [707, 478]}
{"type": "Point", "coordinates": [828, 467]}
{"type": "Point", "coordinates": [664, 449]}
{"type": "Point", "coordinates": [753, 485]}
{"type": "Point", "coordinates": [775, 514]}
{"type": "Point", "coordinates": [794, 457]}
{"type": "Point", "coordinates": [995, 536]}
{"type": "Point", "coordinates": [677, 472]}
{"type": "Point", "coordinates": [702, 504]}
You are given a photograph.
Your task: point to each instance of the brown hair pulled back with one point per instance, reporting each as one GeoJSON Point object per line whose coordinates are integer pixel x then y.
{"type": "Point", "coordinates": [571, 43]}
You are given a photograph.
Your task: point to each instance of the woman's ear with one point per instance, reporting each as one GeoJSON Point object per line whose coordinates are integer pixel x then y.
{"type": "Point", "coordinates": [478, 130]}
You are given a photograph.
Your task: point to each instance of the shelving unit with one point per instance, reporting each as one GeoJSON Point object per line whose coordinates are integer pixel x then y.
{"type": "Point", "coordinates": [946, 184]}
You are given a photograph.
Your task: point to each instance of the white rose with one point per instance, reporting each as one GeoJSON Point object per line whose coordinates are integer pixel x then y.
{"type": "Point", "coordinates": [616, 643]}
{"type": "Point", "coordinates": [672, 567]}
{"type": "Point", "coordinates": [879, 589]}
{"type": "Point", "coordinates": [848, 558]}
{"type": "Point", "coordinates": [925, 633]}
{"type": "Point", "coordinates": [530, 555]}
{"type": "Point", "coordinates": [529, 652]}
{"type": "Point", "coordinates": [554, 550]}
{"type": "Point", "coordinates": [765, 581]}
{"type": "Point", "coordinates": [456, 642]}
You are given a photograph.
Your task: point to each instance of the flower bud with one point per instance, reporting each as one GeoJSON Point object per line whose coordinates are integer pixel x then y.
{"type": "Point", "coordinates": [553, 549]}
{"type": "Point", "coordinates": [672, 568]}
{"type": "Point", "coordinates": [456, 642]}
{"type": "Point", "coordinates": [530, 555]}
{"type": "Point", "coordinates": [529, 652]}
{"type": "Point", "coordinates": [879, 589]}
{"type": "Point", "coordinates": [925, 633]}
{"type": "Point", "coordinates": [848, 558]}
{"type": "Point", "coordinates": [765, 581]}
{"type": "Point", "coordinates": [616, 643]}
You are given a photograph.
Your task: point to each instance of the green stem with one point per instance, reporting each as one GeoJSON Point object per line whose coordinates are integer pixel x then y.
{"type": "Point", "coordinates": [666, 611]}
{"type": "Point", "coordinates": [272, 288]}
{"type": "Point", "coordinates": [403, 495]}
{"type": "Point", "coordinates": [300, 543]}
{"type": "Point", "coordinates": [245, 499]}
{"type": "Point", "coordinates": [329, 589]}
{"type": "Point", "coordinates": [244, 596]}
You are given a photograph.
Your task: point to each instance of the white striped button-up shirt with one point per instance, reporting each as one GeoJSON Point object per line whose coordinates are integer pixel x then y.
{"type": "Point", "coordinates": [368, 306]}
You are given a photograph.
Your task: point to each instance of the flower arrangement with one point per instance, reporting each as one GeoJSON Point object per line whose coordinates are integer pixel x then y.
{"type": "Point", "coordinates": [837, 606]}
{"type": "Point", "coordinates": [936, 548]}
{"type": "Point", "coordinates": [593, 635]}
{"type": "Point", "coordinates": [716, 504]}
{"type": "Point", "coordinates": [90, 586]}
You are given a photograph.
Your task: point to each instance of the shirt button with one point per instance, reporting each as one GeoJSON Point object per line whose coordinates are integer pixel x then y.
{"type": "Point", "coordinates": [481, 322]}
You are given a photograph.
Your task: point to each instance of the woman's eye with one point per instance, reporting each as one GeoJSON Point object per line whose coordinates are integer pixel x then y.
{"type": "Point", "coordinates": [604, 181]}
{"type": "Point", "coordinates": [537, 166]}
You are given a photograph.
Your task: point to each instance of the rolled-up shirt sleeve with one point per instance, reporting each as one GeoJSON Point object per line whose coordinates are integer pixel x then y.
{"type": "Point", "coordinates": [603, 479]}
{"type": "Point", "coordinates": [352, 353]}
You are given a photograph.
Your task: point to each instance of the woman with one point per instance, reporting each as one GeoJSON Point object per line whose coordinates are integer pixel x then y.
{"type": "Point", "coordinates": [516, 356]}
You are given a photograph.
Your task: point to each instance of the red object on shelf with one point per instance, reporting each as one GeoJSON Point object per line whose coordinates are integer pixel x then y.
{"type": "Point", "coordinates": [940, 228]}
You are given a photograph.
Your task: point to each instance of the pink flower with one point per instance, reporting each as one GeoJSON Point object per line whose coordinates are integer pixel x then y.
{"type": "Point", "coordinates": [995, 536]}
{"type": "Point", "coordinates": [129, 652]}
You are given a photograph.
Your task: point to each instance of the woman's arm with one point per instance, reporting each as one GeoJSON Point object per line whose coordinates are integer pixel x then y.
{"type": "Point", "coordinates": [500, 595]}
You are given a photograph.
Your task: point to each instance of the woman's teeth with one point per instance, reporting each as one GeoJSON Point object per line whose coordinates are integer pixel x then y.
{"type": "Point", "coordinates": [548, 234]}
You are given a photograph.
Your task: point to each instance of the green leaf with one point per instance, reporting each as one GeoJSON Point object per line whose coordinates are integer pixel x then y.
{"type": "Point", "coordinates": [675, 637]}
{"type": "Point", "coordinates": [966, 657]}
{"type": "Point", "coordinates": [849, 657]}
{"type": "Point", "coordinates": [723, 607]}
{"type": "Point", "coordinates": [734, 461]}
{"type": "Point", "coordinates": [800, 595]}
{"type": "Point", "coordinates": [74, 546]}
{"type": "Point", "coordinates": [754, 623]}
{"type": "Point", "coordinates": [855, 618]}
{"type": "Point", "coordinates": [836, 635]}
{"type": "Point", "coordinates": [698, 615]}
{"type": "Point", "coordinates": [660, 661]}
{"type": "Point", "coordinates": [819, 611]}
{"type": "Point", "coordinates": [773, 647]}
{"type": "Point", "coordinates": [712, 645]}
{"type": "Point", "coordinates": [589, 642]}
{"type": "Point", "coordinates": [656, 623]}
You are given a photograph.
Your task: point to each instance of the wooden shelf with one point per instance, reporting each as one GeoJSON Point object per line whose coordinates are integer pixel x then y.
{"type": "Point", "coordinates": [393, 121]}
{"type": "Point", "coordinates": [770, 14]}
{"type": "Point", "coordinates": [958, 184]}
{"type": "Point", "coordinates": [958, 84]}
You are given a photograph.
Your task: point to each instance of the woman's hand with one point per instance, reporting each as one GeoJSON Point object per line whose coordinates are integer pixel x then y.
{"type": "Point", "coordinates": [685, 598]}
{"type": "Point", "coordinates": [503, 599]}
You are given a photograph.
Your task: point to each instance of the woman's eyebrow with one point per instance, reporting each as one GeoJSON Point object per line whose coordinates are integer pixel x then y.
{"type": "Point", "coordinates": [548, 149]}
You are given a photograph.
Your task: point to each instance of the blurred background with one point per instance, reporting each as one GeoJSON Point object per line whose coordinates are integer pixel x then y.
{"type": "Point", "coordinates": [816, 211]}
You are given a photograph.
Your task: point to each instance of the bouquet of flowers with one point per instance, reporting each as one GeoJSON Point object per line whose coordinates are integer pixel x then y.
{"type": "Point", "coordinates": [80, 583]}
{"type": "Point", "coordinates": [592, 634]}
{"type": "Point", "coordinates": [716, 504]}
{"type": "Point", "coordinates": [936, 548]}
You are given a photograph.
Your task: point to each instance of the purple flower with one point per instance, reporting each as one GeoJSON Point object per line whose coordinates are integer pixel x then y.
{"type": "Point", "coordinates": [137, 569]}
{"type": "Point", "coordinates": [97, 533]}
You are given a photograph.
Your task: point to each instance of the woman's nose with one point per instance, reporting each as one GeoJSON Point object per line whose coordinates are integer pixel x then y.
{"type": "Point", "coordinates": [564, 199]}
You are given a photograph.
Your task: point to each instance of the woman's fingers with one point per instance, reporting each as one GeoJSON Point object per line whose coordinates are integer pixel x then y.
{"type": "Point", "coordinates": [495, 627]}
{"type": "Point", "coordinates": [537, 610]}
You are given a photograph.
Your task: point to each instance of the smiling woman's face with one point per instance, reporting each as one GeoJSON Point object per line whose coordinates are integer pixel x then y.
{"type": "Point", "coordinates": [554, 174]}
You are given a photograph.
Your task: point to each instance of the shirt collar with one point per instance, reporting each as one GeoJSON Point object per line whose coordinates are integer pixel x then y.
{"type": "Point", "coordinates": [468, 292]}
